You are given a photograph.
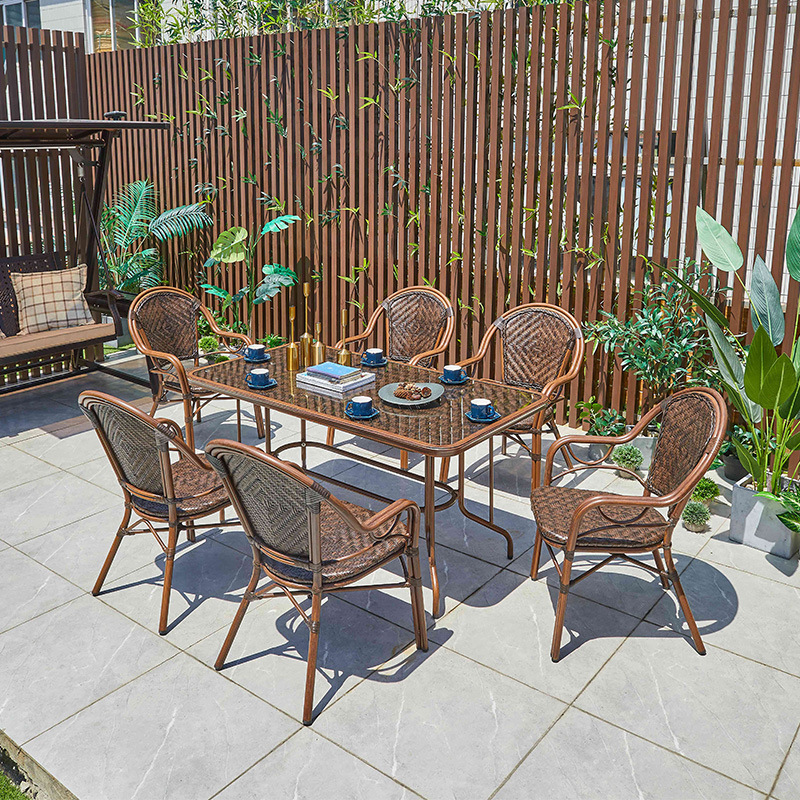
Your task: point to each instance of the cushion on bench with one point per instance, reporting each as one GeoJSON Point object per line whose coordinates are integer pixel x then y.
{"type": "Point", "coordinates": [68, 338]}
{"type": "Point", "coordinates": [51, 300]}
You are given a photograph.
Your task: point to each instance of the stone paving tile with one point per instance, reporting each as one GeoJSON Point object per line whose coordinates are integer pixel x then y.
{"type": "Point", "coordinates": [726, 712]}
{"type": "Point", "coordinates": [29, 589]}
{"type": "Point", "coordinates": [179, 732]}
{"type": "Point", "coordinates": [17, 467]}
{"type": "Point", "coordinates": [441, 724]}
{"type": "Point", "coordinates": [788, 784]}
{"type": "Point", "coordinates": [207, 583]}
{"type": "Point", "coordinates": [100, 473]}
{"type": "Point", "coordinates": [508, 625]}
{"type": "Point", "coordinates": [309, 766]}
{"type": "Point", "coordinates": [269, 654]}
{"type": "Point", "coordinates": [730, 608]}
{"type": "Point", "coordinates": [47, 503]}
{"type": "Point", "coordinates": [68, 448]}
{"type": "Point", "coordinates": [584, 758]}
{"type": "Point", "coordinates": [77, 551]}
{"type": "Point", "coordinates": [67, 658]}
{"type": "Point", "coordinates": [28, 414]}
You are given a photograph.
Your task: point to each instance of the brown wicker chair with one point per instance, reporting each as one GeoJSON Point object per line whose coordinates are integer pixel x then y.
{"type": "Point", "coordinates": [163, 325]}
{"type": "Point", "coordinates": [541, 348]}
{"type": "Point", "coordinates": [157, 490]}
{"type": "Point", "coordinates": [308, 542]}
{"type": "Point", "coordinates": [419, 326]}
{"type": "Point", "coordinates": [693, 425]}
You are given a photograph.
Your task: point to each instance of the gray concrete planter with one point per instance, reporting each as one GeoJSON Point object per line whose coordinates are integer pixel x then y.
{"type": "Point", "coordinates": [754, 522]}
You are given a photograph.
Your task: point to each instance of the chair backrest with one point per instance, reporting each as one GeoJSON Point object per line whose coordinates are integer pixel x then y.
{"type": "Point", "coordinates": [165, 319]}
{"type": "Point", "coordinates": [134, 442]}
{"type": "Point", "coordinates": [277, 504]}
{"type": "Point", "coordinates": [416, 321]}
{"type": "Point", "coordinates": [693, 423]}
{"type": "Point", "coordinates": [37, 262]}
{"type": "Point", "coordinates": [538, 342]}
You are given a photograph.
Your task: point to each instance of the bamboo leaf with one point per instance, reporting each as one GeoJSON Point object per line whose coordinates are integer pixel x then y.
{"type": "Point", "coordinates": [705, 305]}
{"type": "Point", "coordinates": [718, 245]}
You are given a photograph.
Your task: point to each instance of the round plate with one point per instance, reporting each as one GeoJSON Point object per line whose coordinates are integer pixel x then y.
{"type": "Point", "coordinates": [386, 393]}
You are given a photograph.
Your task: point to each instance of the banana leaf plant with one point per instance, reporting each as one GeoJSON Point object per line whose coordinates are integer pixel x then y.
{"type": "Point", "coordinates": [131, 227]}
{"type": "Point", "coordinates": [237, 245]}
{"type": "Point", "coordinates": [762, 384]}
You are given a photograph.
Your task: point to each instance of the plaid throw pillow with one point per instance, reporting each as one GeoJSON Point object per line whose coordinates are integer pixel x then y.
{"type": "Point", "coordinates": [50, 300]}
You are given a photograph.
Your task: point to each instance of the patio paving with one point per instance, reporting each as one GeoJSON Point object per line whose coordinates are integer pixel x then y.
{"type": "Point", "coordinates": [111, 710]}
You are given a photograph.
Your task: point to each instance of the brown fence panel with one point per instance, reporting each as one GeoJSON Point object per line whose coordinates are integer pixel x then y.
{"type": "Point", "coordinates": [504, 157]}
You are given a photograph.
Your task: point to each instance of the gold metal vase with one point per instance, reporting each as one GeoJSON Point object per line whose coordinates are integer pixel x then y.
{"type": "Point", "coordinates": [292, 350]}
{"type": "Point", "coordinates": [344, 356]}
{"type": "Point", "coordinates": [318, 349]}
{"type": "Point", "coordinates": [306, 340]}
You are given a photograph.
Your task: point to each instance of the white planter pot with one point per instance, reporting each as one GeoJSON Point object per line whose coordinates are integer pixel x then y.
{"type": "Point", "coordinates": [754, 522]}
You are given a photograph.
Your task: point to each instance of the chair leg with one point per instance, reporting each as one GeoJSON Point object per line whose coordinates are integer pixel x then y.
{"type": "Point", "coordinates": [237, 620]}
{"type": "Point", "coordinates": [153, 407]}
{"type": "Point", "coordinates": [191, 535]}
{"type": "Point", "coordinates": [260, 430]}
{"type": "Point", "coordinates": [197, 413]}
{"type": "Point", "coordinates": [561, 608]}
{"type": "Point", "coordinates": [188, 418]}
{"type": "Point", "coordinates": [311, 667]}
{"type": "Point", "coordinates": [111, 553]}
{"type": "Point", "coordinates": [444, 470]}
{"type": "Point", "coordinates": [537, 555]}
{"type": "Point", "coordinates": [684, 603]}
{"type": "Point", "coordinates": [536, 459]}
{"type": "Point", "coordinates": [660, 567]}
{"type": "Point", "coordinates": [168, 565]}
{"type": "Point", "coordinates": [417, 603]}
{"type": "Point", "coordinates": [404, 459]}
{"type": "Point", "coordinates": [504, 445]}
{"type": "Point", "coordinates": [329, 439]}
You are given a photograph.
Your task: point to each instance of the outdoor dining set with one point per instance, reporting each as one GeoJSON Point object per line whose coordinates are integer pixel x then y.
{"type": "Point", "coordinates": [305, 540]}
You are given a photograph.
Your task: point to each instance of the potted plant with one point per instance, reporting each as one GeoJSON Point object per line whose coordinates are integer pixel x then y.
{"type": "Point", "coordinates": [628, 457]}
{"type": "Point", "coordinates": [235, 246]}
{"type": "Point", "coordinates": [695, 516]}
{"type": "Point", "coordinates": [764, 387]}
{"type": "Point", "coordinates": [706, 491]}
{"type": "Point", "coordinates": [733, 469]}
{"type": "Point", "coordinates": [602, 422]}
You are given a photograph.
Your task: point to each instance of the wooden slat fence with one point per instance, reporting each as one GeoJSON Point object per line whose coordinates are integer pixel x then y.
{"type": "Point", "coordinates": [504, 157]}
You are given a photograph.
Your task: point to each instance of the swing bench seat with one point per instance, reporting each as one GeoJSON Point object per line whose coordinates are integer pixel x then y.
{"type": "Point", "coordinates": [46, 348]}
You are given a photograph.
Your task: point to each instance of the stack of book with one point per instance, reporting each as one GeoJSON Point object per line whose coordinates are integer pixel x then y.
{"type": "Point", "coordinates": [334, 380]}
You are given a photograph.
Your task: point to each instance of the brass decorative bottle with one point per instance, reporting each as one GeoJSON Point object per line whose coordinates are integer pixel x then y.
{"type": "Point", "coordinates": [292, 351]}
{"type": "Point", "coordinates": [318, 349]}
{"type": "Point", "coordinates": [344, 356]}
{"type": "Point", "coordinates": [306, 340]}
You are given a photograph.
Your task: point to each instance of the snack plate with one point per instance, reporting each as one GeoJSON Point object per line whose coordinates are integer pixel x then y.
{"type": "Point", "coordinates": [386, 393]}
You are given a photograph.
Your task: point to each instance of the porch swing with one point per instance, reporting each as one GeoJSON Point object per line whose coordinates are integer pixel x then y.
{"type": "Point", "coordinates": [29, 151]}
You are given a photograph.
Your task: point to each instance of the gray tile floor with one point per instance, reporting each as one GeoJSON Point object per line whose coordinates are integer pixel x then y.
{"type": "Point", "coordinates": [112, 710]}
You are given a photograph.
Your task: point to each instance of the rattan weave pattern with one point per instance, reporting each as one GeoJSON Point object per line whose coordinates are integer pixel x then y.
{"type": "Point", "coordinates": [535, 344]}
{"type": "Point", "coordinates": [554, 506]}
{"type": "Point", "coordinates": [170, 323]}
{"type": "Point", "coordinates": [45, 262]}
{"type": "Point", "coordinates": [415, 320]}
{"type": "Point", "coordinates": [687, 425]}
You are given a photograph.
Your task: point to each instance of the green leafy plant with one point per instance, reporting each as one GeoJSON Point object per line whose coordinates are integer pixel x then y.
{"type": "Point", "coordinates": [696, 515]}
{"type": "Point", "coordinates": [237, 245]}
{"type": "Point", "coordinates": [131, 227]}
{"type": "Point", "coordinates": [627, 456]}
{"type": "Point", "coordinates": [602, 421]}
{"type": "Point", "coordinates": [273, 340]}
{"type": "Point", "coordinates": [663, 343]}
{"type": "Point", "coordinates": [763, 386]}
{"type": "Point", "coordinates": [706, 491]}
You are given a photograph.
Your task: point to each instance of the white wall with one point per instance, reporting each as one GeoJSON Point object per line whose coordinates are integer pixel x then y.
{"type": "Point", "coordinates": [63, 15]}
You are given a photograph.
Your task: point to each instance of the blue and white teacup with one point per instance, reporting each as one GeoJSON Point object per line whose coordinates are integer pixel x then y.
{"type": "Point", "coordinates": [481, 408]}
{"type": "Point", "coordinates": [373, 356]}
{"type": "Point", "coordinates": [360, 406]}
{"type": "Point", "coordinates": [453, 373]}
{"type": "Point", "coordinates": [259, 378]}
{"type": "Point", "coordinates": [255, 352]}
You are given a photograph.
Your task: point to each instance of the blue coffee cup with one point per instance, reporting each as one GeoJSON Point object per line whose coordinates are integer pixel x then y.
{"type": "Point", "coordinates": [259, 377]}
{"type": "Point", "coordinates": [360, 406]}
{"type": "Point", "coordinates": [454, 373]}
{"type": "Point", "coordinates": [373, 356]}
{"type": "Point", "coordinates": [255, 352]}
{"type": "Point", "coordinates": [481, 408]}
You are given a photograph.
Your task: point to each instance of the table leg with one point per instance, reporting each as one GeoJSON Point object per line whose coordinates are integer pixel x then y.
{"type": "Point", "coordinates": [267, 432]}
{"type": "Point", "coordinates": [303, 443]}
{"type": "Point", "coordinates": [238, 420]}
{"type": "Point", "coordinates": [430, 529]}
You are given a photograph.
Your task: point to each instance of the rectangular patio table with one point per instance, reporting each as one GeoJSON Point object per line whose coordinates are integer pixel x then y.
{"type": "Point", "coordinates": [438, 431]}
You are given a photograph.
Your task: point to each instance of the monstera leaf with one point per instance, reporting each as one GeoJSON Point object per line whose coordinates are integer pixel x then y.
{"type": "Point", "coordinates": [279, 223]}
{"type": "Point", "coordinates": [275, 278]}
{"type": "Point", "coordinates": [231, 246]}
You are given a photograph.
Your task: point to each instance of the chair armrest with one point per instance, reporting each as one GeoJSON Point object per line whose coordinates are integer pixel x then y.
{"type": "Point", "coordinates": [212, 323]}
{"type": "Point", "coordinates": [468, 362]}
{"type": "Point", "coordinates": [175, 436]}
{"type": "Point", "coordinates": [357, 338]}
{"type": "Point", "coordinates": [110, 296]}
{"type": "Point", "coordinates": [427, 354]}
{"type": "Point", "coordinates": [180, 372]}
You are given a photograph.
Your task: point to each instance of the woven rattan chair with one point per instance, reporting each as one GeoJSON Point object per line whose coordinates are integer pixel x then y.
{"type": "Point", "coordinates": [541, 348]}
{"type": "Point", "coordinates": [166, 496]}
{"type": "Point", "coordinates": [308, 542]}
{"type": "Point", "coordinates": [419, 326]}
{"type": "Point", "coordinates": [584, 521]}
{"type": "Point", "coordinates": [163, 325]}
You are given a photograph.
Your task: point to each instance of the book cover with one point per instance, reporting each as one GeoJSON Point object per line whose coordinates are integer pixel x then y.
{"type": "Point", "coordinates": [332, 371]}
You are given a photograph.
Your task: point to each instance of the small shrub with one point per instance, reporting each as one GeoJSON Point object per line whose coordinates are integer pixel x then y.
{"type": "Point", "coordinates": [627, 456]}
{"type": "Point", "coordinates": [273, 340]}
{"type": "Point", "coordinates": [602, 421]}
{"type": "Point", "coordinates": [706, 491]}
{"type": "Point", "coordinates": [695, 515]}
{"type": "Point", "coordinates": [208, 343]}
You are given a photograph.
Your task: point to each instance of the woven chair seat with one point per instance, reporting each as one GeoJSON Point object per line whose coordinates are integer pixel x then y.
{"type": "Point", "coordinates": [189, 481]}
{"type": "Point", "coordinates": [554, 506]}
{"type": "Point", "coordinates": [526, 426]}
{"type": "Point", "coordinates": [339, 540]}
